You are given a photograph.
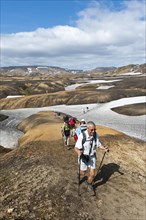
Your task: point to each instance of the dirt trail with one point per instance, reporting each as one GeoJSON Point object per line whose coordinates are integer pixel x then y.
{"type": "Point", "coordinates": [39, 178]}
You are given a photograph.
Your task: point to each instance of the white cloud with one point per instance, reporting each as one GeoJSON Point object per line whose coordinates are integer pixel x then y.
{"type": "Point", "coordinates": [102, 37]}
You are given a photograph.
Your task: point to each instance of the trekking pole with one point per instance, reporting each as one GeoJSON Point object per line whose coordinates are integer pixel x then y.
{"type": "Point", "coordinates": [101, 162]}
{"type": "Point", "coordinates": [62, 139]}
{"type": "Point", "coordinates": [79, 194]}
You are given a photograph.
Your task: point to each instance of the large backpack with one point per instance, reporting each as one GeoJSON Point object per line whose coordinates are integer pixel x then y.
{"type": "Point", "coordinates": [85, 158]}
{"type": "Point", "coordinates": [84, 137]}
{"type": "Point", "coordinates": [83, 129]}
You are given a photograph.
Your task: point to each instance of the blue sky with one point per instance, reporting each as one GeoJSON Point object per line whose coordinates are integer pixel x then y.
{"type": "Point", "coordinates": [28, 15]}
{"type": "Point", "coordinates": [76, 34]}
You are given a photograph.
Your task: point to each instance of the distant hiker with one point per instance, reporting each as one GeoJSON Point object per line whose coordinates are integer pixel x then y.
{"type": "Point", "coordinates": [86, 110]}
{"type": "Point", "coordinates": [81, 128]}
{"type": "Point", "coordinates": [58, 114]}
{"type": "Point", "coordinates": [85, 148]}
{"type": "Point", "coordinates": [66, 118]}
{"type": "Point", "coordinates": [72, 123]}
{"type": "Point", "coordinates": [65, 130]}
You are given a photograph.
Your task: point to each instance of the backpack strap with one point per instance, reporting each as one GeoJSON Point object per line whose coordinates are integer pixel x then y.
{"type": "Point", "coordinates": [95, 136]}
{"type": "Point", "coordinates": [84, 138]}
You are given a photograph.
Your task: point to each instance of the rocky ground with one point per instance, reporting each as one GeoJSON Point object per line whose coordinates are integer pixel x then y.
{"type": "Point", "coordinates": [39, 178]}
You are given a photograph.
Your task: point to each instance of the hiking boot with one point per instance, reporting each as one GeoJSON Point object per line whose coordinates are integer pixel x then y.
{"type": "Point", "coordinates": [90, 190]}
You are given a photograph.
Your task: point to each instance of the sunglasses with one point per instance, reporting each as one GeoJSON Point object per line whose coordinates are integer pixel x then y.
{"type": "Point", "coordinates": [92, 129]}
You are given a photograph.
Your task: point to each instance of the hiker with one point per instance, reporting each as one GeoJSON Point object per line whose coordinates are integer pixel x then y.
{"type": "Point", "coordinates": [82, 127]}
{"type": "Point", "coordinates": [87, 109]}
{"type": "Point", "coordinates": [66, 118]}
{"type": "Point", "coordinates": [65, 130]}
{"type": "Point", "coordinates": [58, 114]}
{"type": "Point", "coordinates": [85, 148]}
{"type": "Point", "coordinates": [72, 123]}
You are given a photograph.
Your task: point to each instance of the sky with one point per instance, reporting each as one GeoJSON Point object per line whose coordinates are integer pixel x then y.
{"type": "Point", "coordinates": [73, 34]}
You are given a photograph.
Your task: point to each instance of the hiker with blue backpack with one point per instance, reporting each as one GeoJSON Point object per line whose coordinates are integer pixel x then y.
{"type": "Point", "coordinates": [82, 127]}
{"type": "Point", "coordinates": [85, 148]}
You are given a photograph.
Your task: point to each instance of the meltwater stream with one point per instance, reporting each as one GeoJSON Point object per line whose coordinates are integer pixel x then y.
{"type": "Point", "coordinates": [101, 114]}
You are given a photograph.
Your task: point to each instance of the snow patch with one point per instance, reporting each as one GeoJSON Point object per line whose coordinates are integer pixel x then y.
{"type": "Point", "coordinates": [29, 70]}
{"type": "Point", "coordinates": [105, 87]}
{"type": "Point", "coordinates": [131, 73]}
{"type": "Point", "coordinates": [14, 96]}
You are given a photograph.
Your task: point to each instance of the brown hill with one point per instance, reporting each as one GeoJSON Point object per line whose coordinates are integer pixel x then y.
{"type": "Point", "coordinates": [29, 86]}
{"type": "Point", "coordinates": [88, 93]}
{"type": "Point", "coordinates": [32, 71]}
{"type": "Point", "coordinates": [132, 110]}
{"type": "Point", "coordinates": [131, 68]}
{"type": "Point", "coordinates": [35, 71]}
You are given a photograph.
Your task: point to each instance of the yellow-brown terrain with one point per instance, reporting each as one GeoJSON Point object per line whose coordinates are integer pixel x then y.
{"type": "Point", "coordinates": [38, 178]}
{"type": "Point", "coordinates": [127, 87]}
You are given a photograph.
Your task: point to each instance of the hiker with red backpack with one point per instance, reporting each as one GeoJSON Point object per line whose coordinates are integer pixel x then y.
{"type": "Point", "coordinates": [85, 148]}
{"type": "Point", "coordinates": [72, 123]}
